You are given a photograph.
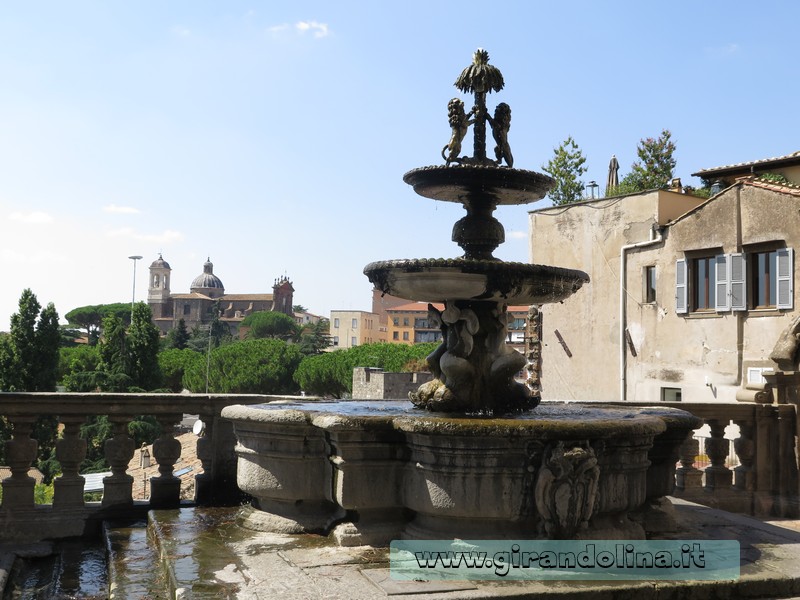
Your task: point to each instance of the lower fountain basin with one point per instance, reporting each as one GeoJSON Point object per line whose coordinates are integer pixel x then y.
{"type": "Point", "coordinates": [379, 471]}
{"type": "Point", "coordinates": [440, 280]}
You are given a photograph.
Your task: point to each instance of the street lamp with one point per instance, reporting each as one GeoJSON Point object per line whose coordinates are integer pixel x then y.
{"type": "Point", "coordinates": [592, 185]}
{"type": "Point", "coordinates": [133, 297]}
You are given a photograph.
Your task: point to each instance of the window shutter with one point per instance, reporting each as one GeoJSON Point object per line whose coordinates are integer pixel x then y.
{"type": "Point", "coordinates": [738, 272]}
{"type": "Point", "coordinates": [722, 281]}
{"type": "Point", "coordinates": [681, 306]}
{"type": "Point", "coordinates": [785, 278]}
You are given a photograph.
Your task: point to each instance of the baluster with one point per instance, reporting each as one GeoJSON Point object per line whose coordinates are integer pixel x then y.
{"type": "Point", "coordinates": [718, 476]}
{"type": "Point", "coordinates": [20, 453]}
{"type": "Point", "coordinates": [203, 482]}
{"type": "Point", "coordinates": [687, 476]}
{"type": "Point", "coordinates": [70, 452]}
{"type": "Point", "coordinates": [165, 490]}
{"type": "Point", "coordinates": [745, 447]}
{"type": "Point", "coordinates": [118, 487]}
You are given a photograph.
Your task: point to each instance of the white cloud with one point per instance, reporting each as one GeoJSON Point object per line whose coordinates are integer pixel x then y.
{"type": "Point", "coordinates": [36, 217]}
{"type": "Point", "coordinates": [722, 51]}
{"type": "Point", "coordinates": [278, 28]}
{"type": "Point", "coordinates": [40, 257]}
{"type": "Point", "coordinates": [125, 210]}
{"type": "Point", "coordinates": [517, 235]}
{"type": "Point", "coordinates": [181, 31]}
{"type": "Point", "coordinates": [165, 237]}
{"type": "Point", "coordinates": [319, 30]}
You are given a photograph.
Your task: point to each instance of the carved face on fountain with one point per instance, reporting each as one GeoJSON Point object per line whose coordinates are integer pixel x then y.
{"type": "Point", "coordinates": [473, 366]}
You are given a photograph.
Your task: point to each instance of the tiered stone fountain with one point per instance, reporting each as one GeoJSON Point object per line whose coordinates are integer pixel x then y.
{"type": "Point", "coordinates": [471, 456]}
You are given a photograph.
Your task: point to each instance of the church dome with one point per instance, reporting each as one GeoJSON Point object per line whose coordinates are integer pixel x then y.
{"type": "Point", "coordinates": [160, 263]}
{"type": "Point", "coordinates": [207, 280]}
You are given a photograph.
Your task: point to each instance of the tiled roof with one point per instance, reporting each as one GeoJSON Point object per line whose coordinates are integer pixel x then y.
{"type": "Point", "coordinates": [245, 297]}
{"type": "Point", "coordinates": [190, 296]}
{"type": "Point", "coordinates": [793, 158]}
{"type": "Point", "coordinates": [773, 186]}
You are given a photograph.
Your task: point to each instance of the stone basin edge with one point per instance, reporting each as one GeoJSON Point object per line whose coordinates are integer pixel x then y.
{"type": "Point", "coordinates": [618, 422]}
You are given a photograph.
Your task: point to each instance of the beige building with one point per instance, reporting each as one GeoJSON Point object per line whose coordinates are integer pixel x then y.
{"type": "Point", "coordinates": [408, 324]}
{"type": "Point", "coordinates": [205, 293]}
{"type": "Point", "coordinates": [351, 328]}
{"type": "Point", "coordinates": [687, 296]}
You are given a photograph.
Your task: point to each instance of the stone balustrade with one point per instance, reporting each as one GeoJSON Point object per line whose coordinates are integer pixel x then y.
{"type": "Point", "coordinates": [69, 514]}
{"type": "Point", "coordinates": [765, 482]}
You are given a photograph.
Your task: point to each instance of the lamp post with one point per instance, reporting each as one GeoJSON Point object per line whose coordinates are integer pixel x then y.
{"type": "Point", "coordinates": [133, 297]}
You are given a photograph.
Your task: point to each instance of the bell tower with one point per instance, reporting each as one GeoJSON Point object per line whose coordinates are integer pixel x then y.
{"type": "Point", "coordinates": [158, 295]}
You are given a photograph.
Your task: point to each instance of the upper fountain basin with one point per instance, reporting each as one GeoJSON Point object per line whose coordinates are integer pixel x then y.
{"type": "Point", "coordinates": [441, 280]}
{"type": "Point", "coordinates": [458, 183]}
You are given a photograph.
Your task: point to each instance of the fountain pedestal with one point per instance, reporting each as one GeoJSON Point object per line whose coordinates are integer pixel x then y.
{"type": "Point", "coordinates": [379, 471]}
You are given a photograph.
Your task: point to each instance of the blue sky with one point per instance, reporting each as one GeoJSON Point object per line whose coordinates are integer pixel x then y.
{"type": "Point", "coordinates": [273, 137]}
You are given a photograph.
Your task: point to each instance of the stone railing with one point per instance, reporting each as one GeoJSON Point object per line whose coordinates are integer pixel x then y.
{"type": "Point", "coordinates": [765, 482]}
{"type": "Point", "coordinates": [69, 514]}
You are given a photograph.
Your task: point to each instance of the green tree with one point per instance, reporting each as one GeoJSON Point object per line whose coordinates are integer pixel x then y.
{"type": "Point", "coordinates": [29, 354]}
{"type": "Point", "coordinates": [655, 165]}
{"type": "Point", "coordinates": [331, 373]}
{"type": "Point", "coordinates": [215, 334]}
{"type": "Point", "coordinates": [269, 324]}
{"type": "Point", "coordinates": [261, 366]}
{"type": "Point", "coordinates": [48, 342]}
{"type": "Point", "coordinates": [29, 363]}
{"type": "Point", "coordinates": [174, 363]}
{"type": "Point", "coordinates": [142, 349]}
{"type": "Point", "coordinates": [325, 374]}
{"type": "Point", "coordinates": [91, 317]}
{"type": "Point", "coordinates": [178, 337]}
{"type": "Point", "coordinates": [315, 337]}
{"type": "Point", "coordinates": [79, 367]}
{"type": "Point", "coordinates": [299, 308]}
{"type": "Point", "coordinates": [113, 354]}
{"type": "Point", "coordinates": [566, 167]}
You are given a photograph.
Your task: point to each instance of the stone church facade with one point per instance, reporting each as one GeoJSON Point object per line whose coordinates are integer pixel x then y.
{"type": "Point", "coordinates": [207, 294]}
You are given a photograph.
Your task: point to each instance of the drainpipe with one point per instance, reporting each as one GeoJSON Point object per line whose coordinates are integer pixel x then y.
{"type": "Point", "coordinates": [655, 238]}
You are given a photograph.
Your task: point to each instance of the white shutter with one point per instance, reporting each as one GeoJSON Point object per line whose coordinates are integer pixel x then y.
{"type": "Point", "coordinates": [722, 280]}
{"type": "Point", "coordinates": [681, 305]}
{"type": "Point", "coordinates": [738, 273]}
{"type": "Point", "coordinates": [785, 278]}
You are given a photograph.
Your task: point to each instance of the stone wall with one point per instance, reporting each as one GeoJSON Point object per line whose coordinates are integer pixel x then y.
{"type": "Point", "coordinates": [370, 383]}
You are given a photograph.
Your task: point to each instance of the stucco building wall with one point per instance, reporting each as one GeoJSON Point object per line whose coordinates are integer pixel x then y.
{"type": "Point", "coordinates": [705, 355]}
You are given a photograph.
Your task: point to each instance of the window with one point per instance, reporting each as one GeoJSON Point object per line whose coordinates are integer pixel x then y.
{"type": "Point", "coordinates": [396, 321]}
{"type": "Point", "coordinates": [518, 323]}
{"type": "Point", "coordinates": [670, 394]}
{"type": "Point", "coordinates": [772, 278]}
{"type": "Point", "coordinates": [405, 321]}
{"type": "Point", "coordinates": [405, 336]}
{"type": "Point", "coordinates": [187, 309]}
{"type": "Point", "coordinates": [649, 284]}
{"type": "Point", "coordinates": [724, 282]}
{"type": "Point", "coordinates": [354, 324]}
{"type": "Point", "coordinates": [395, 335]}
{"type": "Point", "coordinates": [336, 340]}
{"type": "Point", "coordinates": [336, 323]}
{"type": "Point", "coordinates": [703, 283]}
{"type": "Point", "coordinates": [353, 341]}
